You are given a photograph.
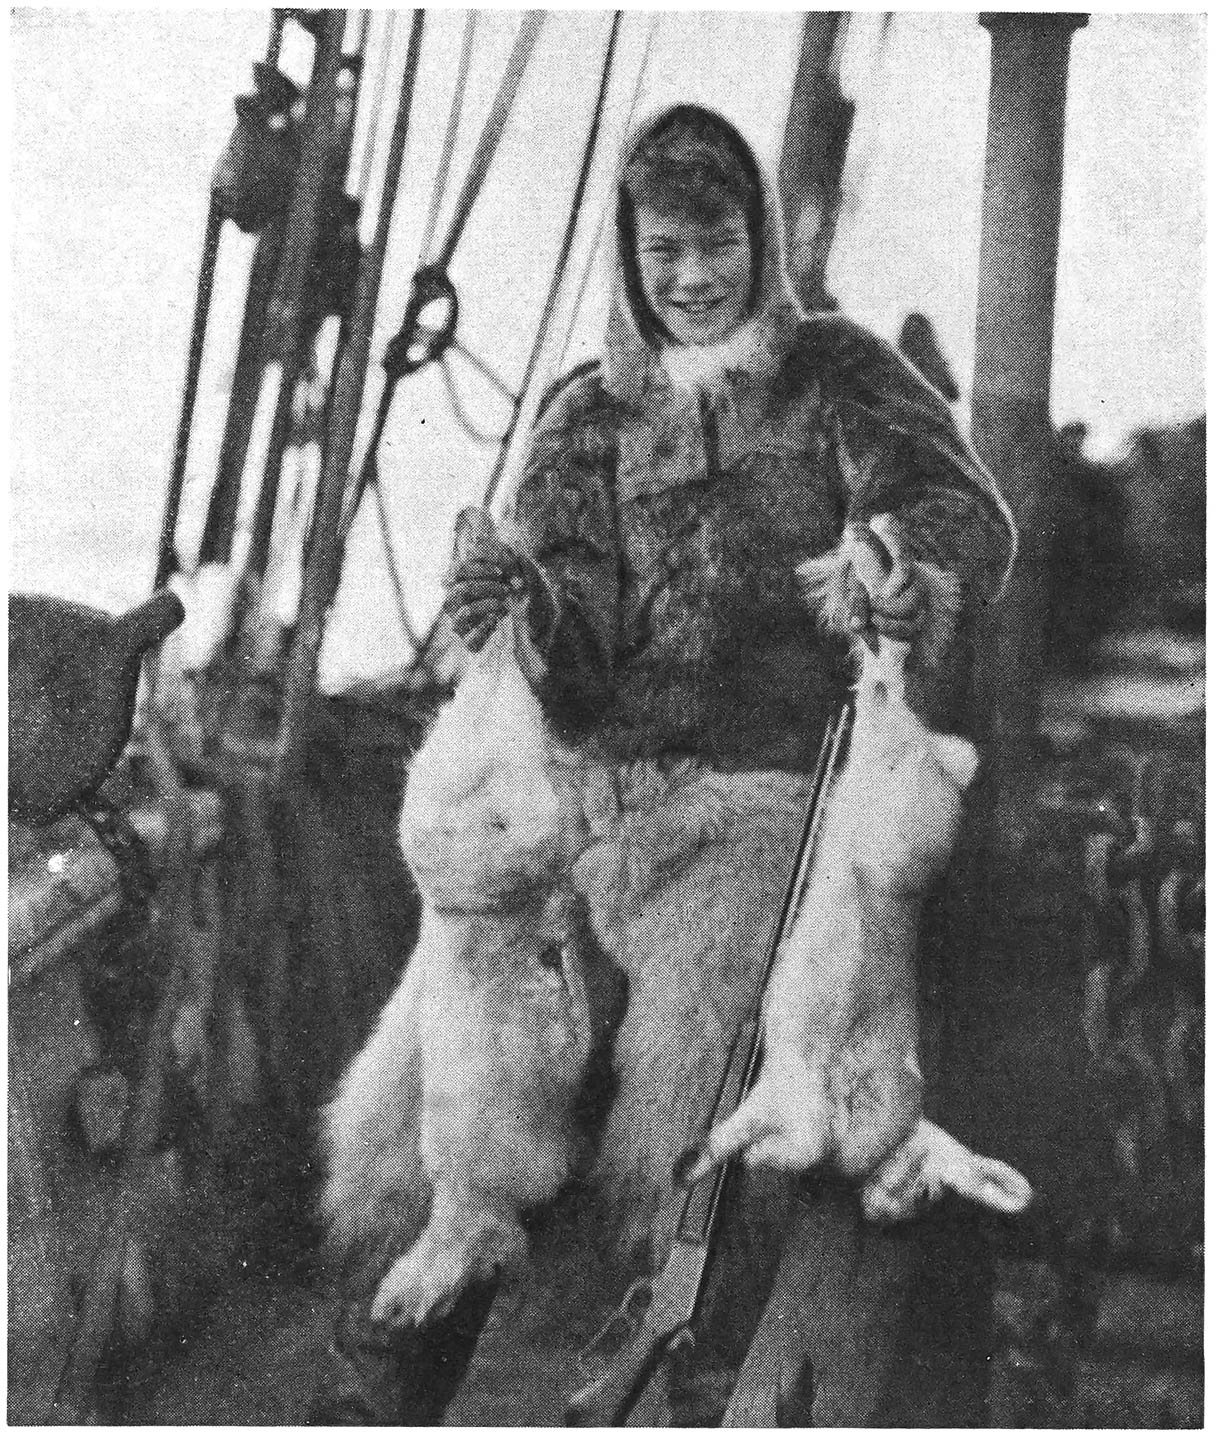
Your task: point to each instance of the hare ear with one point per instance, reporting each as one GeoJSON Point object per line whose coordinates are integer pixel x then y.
{"type": "Point", "coordinates": [993, 1184]}
{"type": "Point", "coordinates": [742, 1129]}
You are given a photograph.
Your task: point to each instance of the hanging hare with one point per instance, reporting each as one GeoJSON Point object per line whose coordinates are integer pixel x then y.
{"type": "Point", "coordinates": [840, 1081]}
{"type": "Point", "coordinates": [463, 1108]}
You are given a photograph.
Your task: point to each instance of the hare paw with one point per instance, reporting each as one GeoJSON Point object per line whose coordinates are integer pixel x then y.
{"type": "Point", "coordinates": [425, 1283]}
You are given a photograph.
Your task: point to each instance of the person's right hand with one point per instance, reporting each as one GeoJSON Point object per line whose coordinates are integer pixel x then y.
{"type": "Point", "coordinates": [485, 581]}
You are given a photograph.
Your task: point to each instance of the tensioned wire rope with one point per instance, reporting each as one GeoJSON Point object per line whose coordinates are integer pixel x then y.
{"type": "Point", "coordinates": [369, 144]}
{"type": "Point", "coordinates": [439, 186]}
{"type": "Point", "coordinates": [448, 149]}
{"type": "Point", "coordinates": [435, 342]}
{"type": "Point", "coordinates": [166, 556]}
{"type": "Point", "coordinates": [432, 220]}
{"type": "Point", "coordinates": [323, 559]}
{"type": "Point", "coordinates": [459, 410]}
{"type": "Point", "coordinates": [606, 208]}
{"type": "Point", "coordinates": [531, 371]}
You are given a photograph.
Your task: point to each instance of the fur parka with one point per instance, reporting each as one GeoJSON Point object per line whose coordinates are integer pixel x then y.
{"type": "Point", "coordinates": [669, 515]}
{"type": "Point", "coordinates": [669, 506]}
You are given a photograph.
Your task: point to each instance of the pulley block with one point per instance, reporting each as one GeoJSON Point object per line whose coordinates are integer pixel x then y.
{"type": "Point", "coordinates": [429, 325]}
{"type": "Point", "coordinates": [255, 174]}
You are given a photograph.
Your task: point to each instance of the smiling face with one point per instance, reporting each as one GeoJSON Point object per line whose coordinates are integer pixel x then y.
{"type": "Point", "coordinates": [696, 274]}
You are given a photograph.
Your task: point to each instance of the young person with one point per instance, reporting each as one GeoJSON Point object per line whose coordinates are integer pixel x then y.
{"type": "Point", "coordinates": [723, 438]}
{"type": "Point", "coordinates": [671, 490]}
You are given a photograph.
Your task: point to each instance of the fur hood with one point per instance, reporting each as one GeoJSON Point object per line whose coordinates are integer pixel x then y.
{"type": "Point", "coordinates": [633, 366]}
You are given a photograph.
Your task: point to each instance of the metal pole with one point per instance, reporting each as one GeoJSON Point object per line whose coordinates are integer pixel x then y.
{"type": "Point", "coordinates": [1011, 422]}
{"type": "Point", "coordinates": [166, 556]}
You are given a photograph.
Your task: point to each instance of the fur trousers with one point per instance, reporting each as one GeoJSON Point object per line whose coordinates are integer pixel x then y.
{"type": "Point", "coordinates": [684, 879]}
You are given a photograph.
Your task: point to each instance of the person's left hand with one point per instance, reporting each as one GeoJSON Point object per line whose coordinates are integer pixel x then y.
{"type": "Point", "coordinates": [894, 606]}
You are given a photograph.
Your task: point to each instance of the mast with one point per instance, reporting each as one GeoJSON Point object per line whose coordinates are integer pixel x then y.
{"type": "Point", "coordinates": [1011, 422]}
{"type": "Point", "coordinates": [323, 561]}
{"type": "Point", "coordinates": [1011, 430]}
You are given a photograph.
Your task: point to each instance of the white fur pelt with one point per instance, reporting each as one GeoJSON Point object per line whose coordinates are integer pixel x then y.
{"type": "Point", "coordinates": [683, 879]}
{"type": "Point", "coordinates": [840, 1081]}
{"type": "Point", "coordinates": [703, 367]}
{"type": "Point", "coordinates": [462, 1110]}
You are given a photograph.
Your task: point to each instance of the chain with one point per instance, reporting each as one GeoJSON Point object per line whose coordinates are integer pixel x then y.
{"type": "Point", "coordinates": [1142, 955]}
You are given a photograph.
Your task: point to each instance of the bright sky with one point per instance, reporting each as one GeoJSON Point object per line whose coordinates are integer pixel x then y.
{"type": "Point", "coordinates": [118, 118]}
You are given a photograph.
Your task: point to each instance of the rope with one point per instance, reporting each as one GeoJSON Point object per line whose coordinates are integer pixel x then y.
{"type": "Point", "coordinates": [356, 64]}
{"type": "Point", "coordinates": [438, 286]}
{"type": "Point", "coordinates": [369, 144]}
{"type": "Point", "coordinates": [449, 137]}
{"type": "Point", "coordinates": [463, 418]}
{"type": "Point", "coordinates": [393, 565]}
{"type": "Point", "coordinates": [491, 133]}
{"type": "Point", "coordinates": [459, 409]}
{"type": "Point", "coordinates": [431, 283]}
{"type": "Point", "coordinates": [563, 258]}
{"type": "Point", "coordinates": [606, 208]}
{"type": "Point", "coordinates": [530, 373]}
{"type": "Point", "coordinates": [166, 556]}
{"type": "Point", "coordinates": [323, 565]}
{"type": "Point", "coordinates": [486, 371]}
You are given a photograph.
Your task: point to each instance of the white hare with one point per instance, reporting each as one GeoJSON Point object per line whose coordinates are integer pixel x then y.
{"type": "Point", "coordinates": [464, 1107]}
{"type": "Point", "coordinates": [840, 1081]}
